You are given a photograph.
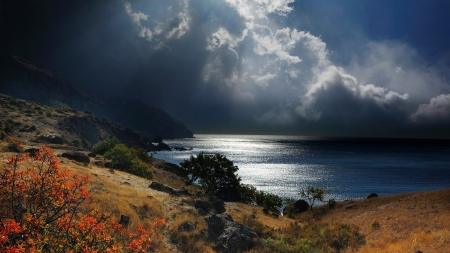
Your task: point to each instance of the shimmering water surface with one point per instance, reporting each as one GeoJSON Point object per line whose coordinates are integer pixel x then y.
{"type": "Point", "coordinates": [348, 168]}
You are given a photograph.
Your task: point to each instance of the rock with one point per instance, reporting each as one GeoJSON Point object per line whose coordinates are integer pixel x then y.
{"type": "Point", "coordinates": [301, 205]}
{"type": "Point", "coordinates": [50, 139]}
{"type": "Point", "coordinates": [276, 215]}
{"type": "Point", "coordinates": [350, 206]}
{"type": "Point", "coordinates": [229, 194]}
{"type": "Point", "coordinates": [201, 212]}
{"type": "Point", "coordinates": [205, 205]}
{"type": "Point", "coordinates": [418, 251]}
{"type": "Point", "coordinates": [77, 156]}
{"type": "Point", "coordinates": [124, 220]}
{"type": "Point", "coordinates": [186, 227]}
{"type": "Point", "coordinates": [372, 195]}
{"type": "Point", "coordinates": [162, 188]}
{"type": "Point", "coordinates": [331, 203]}
{"type": "Point", "coordinates": [32, 151]}
{"type": "Point", "coordinates": [229, 236]}
{"type": "Point", "coordinates": [218, 204]}
{"type": "Point", "coordinates": [163, 147]}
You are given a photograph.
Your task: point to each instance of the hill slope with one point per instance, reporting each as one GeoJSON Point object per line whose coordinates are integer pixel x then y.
{"type": "Point", "coordinates": [22, 79]}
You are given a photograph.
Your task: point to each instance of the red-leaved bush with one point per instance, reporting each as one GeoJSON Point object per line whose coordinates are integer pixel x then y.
{"type": "Point", "coordinates": [44, 208]}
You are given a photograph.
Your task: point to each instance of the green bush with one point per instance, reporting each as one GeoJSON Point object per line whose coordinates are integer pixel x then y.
{"type": "Point", "coordinates": [140, 168]}
{"type": "Point", "coordinates": [14, 145]}
{"type": "Point", "coordinates": [77, 142]}
{"type": "Point", "coordinates": [269, 200]}
{"type": "Point", "coordinates": [125, 159]}
{"type": "Point", "coordinates": [313, 194]}
{"type": "Point", "coordinates": [247, 192]}
{"type": "Point", "coordinates": [103, 146]}
{"type": "Point", "coordinates": [289, 210]}
{"type": "Point", "coordinates": [120, 156]}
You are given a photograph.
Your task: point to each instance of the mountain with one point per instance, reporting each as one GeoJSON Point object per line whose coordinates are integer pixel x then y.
{"type": "Point", "coordinates": [22, 79]}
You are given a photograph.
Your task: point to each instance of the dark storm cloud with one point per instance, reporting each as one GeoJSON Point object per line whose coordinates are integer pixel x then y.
{"type": "Point", "coordinates": [253, 66]}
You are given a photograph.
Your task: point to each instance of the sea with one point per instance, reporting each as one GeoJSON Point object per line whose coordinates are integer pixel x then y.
{"type": "Point", "coordinates": [348, 168]}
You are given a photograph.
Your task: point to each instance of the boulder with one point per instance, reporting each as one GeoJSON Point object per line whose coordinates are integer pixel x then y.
{"type": "Point", "coordinates": [372, 195]}
{"type": "Point", "coordinates": [32, 151]}
{"type": "Point", "coordinates": [229, 194]}
{"type": "Point", "coordinates": [163, 147]}
{"type": "Point", "coordinates": [124, 220]}
{"type": "Point", "coordinates": [162, 188]}
{"type": "Point", "coordinates": [77, 156]}
{"type": "Point", "coordinates": [186, 227]}
{"type": "Point", "coordinates": [228, 235]}
{"type": "Point", "coordinates": [301, 205]}
{"type": "Point", "coordinates": [218, 204]}
{"type": "Point", "coordinates": [204, 205]}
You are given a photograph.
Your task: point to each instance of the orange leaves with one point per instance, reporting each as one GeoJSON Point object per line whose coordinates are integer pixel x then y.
{"type": "Point", "coordinates": [45, 208]}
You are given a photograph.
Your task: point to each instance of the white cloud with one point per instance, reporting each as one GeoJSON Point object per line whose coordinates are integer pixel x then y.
{"type": "Point", "coordinates": [137, 17]}
{"type": "Point", "coordinates": [437, 109]}
{"type": "Point", "coordinates": [263, 81]}
{"type": "Point", "coordinates": [337, 94]}
{"type": "Point", "coordinates": [174, 26]}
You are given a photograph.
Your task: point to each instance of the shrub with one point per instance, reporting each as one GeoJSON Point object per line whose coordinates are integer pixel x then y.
{"type": "Point", "coordinates": [14, 145]}
{"type": "Point", "coordinates": [45, 208]}
{"type": "Point", "coordinates": [313, 194]}
{"type": "Point", "coordinates": [211, 171]}
{"type": "Point", "coordinates": [77, 142]}
{"type": "Point", "coordinates": [289, 210]}
{"type": "Point", "coordinates": [269, 200]}
{"type": "Point", "coordinates": [103, 146]}
{"type": "Point", "coordinates": [247, 192]}
{"type": "Point", "coordinates": [125, 159]}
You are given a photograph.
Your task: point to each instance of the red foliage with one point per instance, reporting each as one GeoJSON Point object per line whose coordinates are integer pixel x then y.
{"type": "Point", "coordinates": [45, 208]}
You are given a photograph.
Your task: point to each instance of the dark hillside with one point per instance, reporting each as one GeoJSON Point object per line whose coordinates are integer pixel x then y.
{"type": "Point", "coordinates": [21, 79]}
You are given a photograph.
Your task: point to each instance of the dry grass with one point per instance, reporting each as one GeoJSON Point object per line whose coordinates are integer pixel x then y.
{"type": "Point", "coordinates": [407, 222]}
{"type": "Point", "coordinates": [190, 241]}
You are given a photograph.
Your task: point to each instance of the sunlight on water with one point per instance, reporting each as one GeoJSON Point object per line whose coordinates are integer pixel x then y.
{"type": "Point", "coordinates": [348, 169]}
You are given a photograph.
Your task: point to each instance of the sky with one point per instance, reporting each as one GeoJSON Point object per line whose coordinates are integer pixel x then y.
{"type": "Point", "coordinates": [358, 68]}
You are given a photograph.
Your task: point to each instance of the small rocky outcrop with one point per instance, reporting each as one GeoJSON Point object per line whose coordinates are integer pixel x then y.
{"type": "Point", "coordinates": [186, 227]}
{"type": "Point", "coordinates": [77, 156]}
{"type": "Point", "coordinates": [32, 151]}
{"type": "Point", "coordinates": [218, 204]}
{"type": "Point", "coordinates": [52, 139]}
{"type": "Point", "coordinates": [372, 195]}
{"type": "Point", "coordinates": [164, 188]}
{"type": "Point", "coordinates": [228, 235]}
{"type": "Point", "coordinates": [163, 147]}
{"type": "Point", "coordinates": [203, 206]}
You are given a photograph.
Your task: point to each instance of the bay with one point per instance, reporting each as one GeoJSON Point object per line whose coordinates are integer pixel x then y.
{"type": "Point", "coordinates": [349, 168]}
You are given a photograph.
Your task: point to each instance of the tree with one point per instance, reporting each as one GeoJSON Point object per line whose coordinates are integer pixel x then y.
{"type": "Point", "coordinates": [44, 208]}
{"type": "Point", "coordinates": [312, 194]}
{"type": "Point", "coordinates": [211, 171]}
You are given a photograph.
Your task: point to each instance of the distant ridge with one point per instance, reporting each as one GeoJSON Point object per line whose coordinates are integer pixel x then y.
{"type": "Point", "coordinates": [22, 79]}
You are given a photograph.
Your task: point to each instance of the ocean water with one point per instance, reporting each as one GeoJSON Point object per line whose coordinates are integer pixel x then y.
{"type": "Point", "coordinates": [349, 168]}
